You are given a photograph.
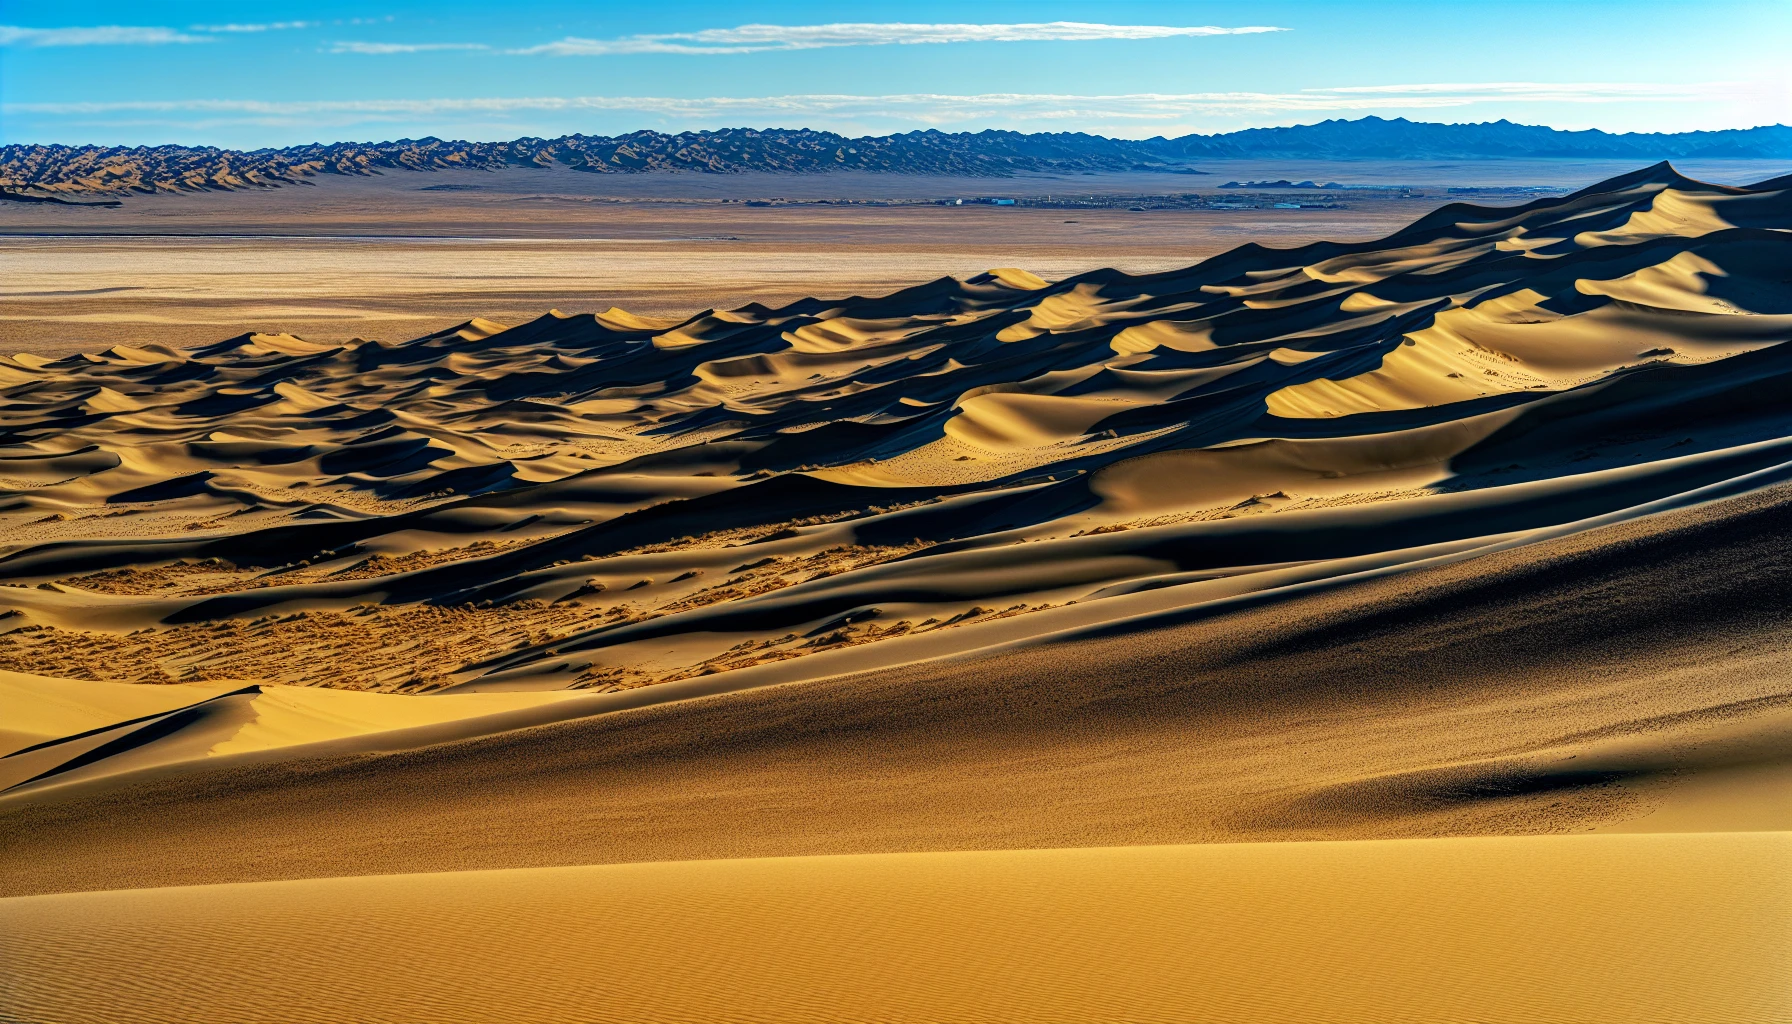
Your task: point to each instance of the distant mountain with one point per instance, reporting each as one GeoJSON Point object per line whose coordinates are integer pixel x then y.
{"type": "Point", "coordinates": [1375, 138]}
{"type": "Point", "coordinates": [981, 154]}
{"type": "Point", "coordinates": [985, 154]}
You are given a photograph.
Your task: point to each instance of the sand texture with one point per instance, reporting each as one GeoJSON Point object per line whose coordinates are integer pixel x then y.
{"type": "Point", "coordinates": [1361, 632]}
{"type": "Point", "coordinates": [1628, 930]}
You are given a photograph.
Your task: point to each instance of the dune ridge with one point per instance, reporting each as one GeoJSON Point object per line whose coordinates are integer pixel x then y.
{"type": "Point", "coordinates": [1372, 632]}
{"type": "Point", "coordinates": [762, 496]}
{"type": "Point", "coordinates": [1585, 681]}
{"type": "Point", "coordinates": [614, 500]}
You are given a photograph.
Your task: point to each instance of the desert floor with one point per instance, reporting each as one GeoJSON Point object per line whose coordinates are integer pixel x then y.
{"type": "Point", "coordinates": [396, 256]}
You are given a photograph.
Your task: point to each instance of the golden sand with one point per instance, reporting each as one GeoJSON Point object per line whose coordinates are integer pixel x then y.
{"type": "Point", "coordinates": [1625, 929]}
{"type": "Point", "coordinates": [1362, 632]}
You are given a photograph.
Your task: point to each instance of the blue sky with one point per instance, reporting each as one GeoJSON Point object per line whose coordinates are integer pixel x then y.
{"type": "Point", "coordinates": [276, 73]}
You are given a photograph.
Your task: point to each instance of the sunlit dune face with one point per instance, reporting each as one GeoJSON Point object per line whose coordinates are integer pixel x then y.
{"type": "Point", "coordinates": [614, 500]}
{"type": "Point", "coordinates": [1388, 631]}
{"type": "Point", "coordinates": [1238, 387]}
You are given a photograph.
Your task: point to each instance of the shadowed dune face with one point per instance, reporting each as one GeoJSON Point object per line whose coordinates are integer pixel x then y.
{"type": "Point", "coordinates": [1558, 686]}
{"type": "Point", "coordinates": [613, 500]}
{"type": "Point", "coordinates": [601, 502]}
{"type": "Point", "coordinates": [1099, 593]}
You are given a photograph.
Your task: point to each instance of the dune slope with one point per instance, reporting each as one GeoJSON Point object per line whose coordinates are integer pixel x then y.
{"type": "Point", "coordinates": [1557, 686]}
{"type": "Point", "coordinates": [611, 501]}
{"type": "Point", "coordinates": [1447, 550]}
{"type": "Point", "coordinates": [1593, 929]}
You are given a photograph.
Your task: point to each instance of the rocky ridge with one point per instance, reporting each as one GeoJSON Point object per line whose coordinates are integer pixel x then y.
{"type": "Point", "coordinates": [50, 169]}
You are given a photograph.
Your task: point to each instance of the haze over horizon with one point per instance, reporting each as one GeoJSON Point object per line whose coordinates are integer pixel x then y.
{"type": "Point", "coordinates": [205, 74]}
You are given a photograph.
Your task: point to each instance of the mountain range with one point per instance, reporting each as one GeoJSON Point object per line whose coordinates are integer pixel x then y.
{"type": "Point", "coordinates": [146, 169]}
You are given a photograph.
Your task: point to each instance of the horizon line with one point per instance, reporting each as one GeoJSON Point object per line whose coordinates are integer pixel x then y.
{"type": "Point", "coordinates": [892, 135]}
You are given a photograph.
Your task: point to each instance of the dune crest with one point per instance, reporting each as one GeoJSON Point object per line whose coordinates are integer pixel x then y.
{"type": "Point", "coordinates": [607, 501]}
{"type": "Point", "coordinates": [1390, 631]}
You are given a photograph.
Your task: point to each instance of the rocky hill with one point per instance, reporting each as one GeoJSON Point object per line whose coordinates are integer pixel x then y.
{"type": "Point", "coordinates": [103, 169]}
{"type": "Point", "coordinates": [168, 168]}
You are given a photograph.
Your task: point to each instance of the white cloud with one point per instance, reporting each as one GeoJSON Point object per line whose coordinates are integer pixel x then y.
{"type": "Point", "coordinates": [99, 35]}
{"type": "Point", "coordinates": [270, 26]}
{"type": "Point", "coordinates": [761, 38]}
{"type": "Point", "coordinates": [1547, 92]}
{"type": "Point", "coordinates": [384, 48]}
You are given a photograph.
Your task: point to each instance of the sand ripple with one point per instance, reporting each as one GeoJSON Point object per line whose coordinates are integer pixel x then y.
{"type": "Point", "coordinates": [1594, 928]}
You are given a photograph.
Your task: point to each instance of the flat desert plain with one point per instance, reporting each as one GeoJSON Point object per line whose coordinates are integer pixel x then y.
{"type": "Point", "coordinates": [850, 613]}
{"type": "Point", "coordinates": [401, 254]}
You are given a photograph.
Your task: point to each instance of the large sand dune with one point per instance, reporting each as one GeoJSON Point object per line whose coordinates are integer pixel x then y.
{"type": "Point", "coordinates": [1473, 531]}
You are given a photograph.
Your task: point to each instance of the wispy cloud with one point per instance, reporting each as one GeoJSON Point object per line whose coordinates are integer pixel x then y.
{"type": "Point", "coordinates": [935, 108]}
{"type": "Point", "coordinates": [385, 48]}
{"type": "Point", "coordinates": [1546, 92]}
{"type": "Point", "coordinates": [98, 35]}
{"type": "Point", "coordinates": [761, 38]}
{"type": "Point", "coordinates": [269, 26]}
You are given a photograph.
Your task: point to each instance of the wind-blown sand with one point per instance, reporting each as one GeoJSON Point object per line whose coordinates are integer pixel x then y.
{"type": "Point", "coordinates": [1474, 531]}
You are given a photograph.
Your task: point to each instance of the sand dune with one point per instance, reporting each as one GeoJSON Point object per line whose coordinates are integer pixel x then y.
{"type": "Point", "coordinates": [641, 500]}
{"type": "Point", "coordinates": [1566, 684]}
{"type": "Point", "coordinates": [1591, 928]}
{"type": "Point", "coordinates": [1474, 531]}
{"type": "Point", "coordinates": [68, 729]}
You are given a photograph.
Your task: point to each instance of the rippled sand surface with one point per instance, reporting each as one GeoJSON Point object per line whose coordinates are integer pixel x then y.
{"type": "Point", "coordinates": [1620, 929]}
